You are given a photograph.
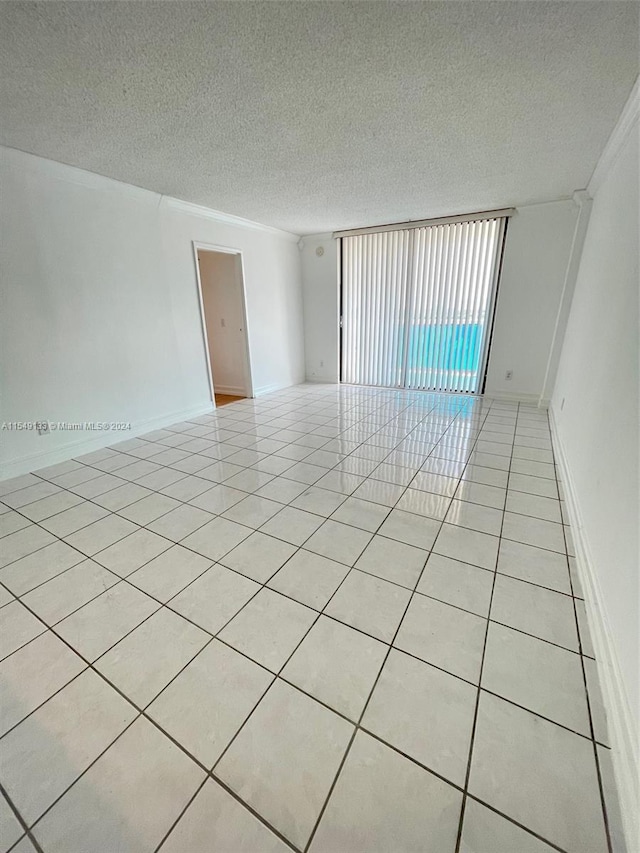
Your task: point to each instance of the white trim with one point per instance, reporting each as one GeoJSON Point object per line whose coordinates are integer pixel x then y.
{"type": "Point", "coordinates": [92, 180]}
{"type": "Point", "coordinates": [617, 140]}
{"type": "Point", "coordinates": [44, 458]}
{"type": "Point", "coordinates": [247, 391]}
{"type": "Point", "coordinates": [420, 223]}
{"type": "Point", "coordinates": [517, 397]}
{"type": "Point", "coordinates": [563, 198]}
{"type": "Point", "coordinates": [619, 717]}
{"type": "Point", "coordinates": [323, 379]}
{"type": "Point", "coordinates": [226, 218]}
{"type": "Point", "coordinates": [583, 202]}
{"type": "Point", "coordinates": [73, 175]}
{"type": "Point", "coordinates": [314, 238]}
{"type": "Point", "coordinates": [248, 371]}
{"type": "Point", "coordinates": [231, 390]}
{"type": "Point", "coordinates": [268, 389]}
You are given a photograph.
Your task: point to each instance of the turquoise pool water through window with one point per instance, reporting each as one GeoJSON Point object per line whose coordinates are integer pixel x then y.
{"type": "Point", "coordinates": [461, 342]}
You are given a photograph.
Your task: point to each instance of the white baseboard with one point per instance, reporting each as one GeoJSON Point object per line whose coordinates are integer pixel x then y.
{"type": "Point", "coordinates": [328, 379]}
{"type": "Point", "coordinates": [624, 745]}
{"type": "Point", "coordinates": [268, 389]}
{"type": "Point", "coordinates": [35, 461]}
{"type": "Point", "coordinates": [231, 390]}
{"type": "Point", "coordinates": [517, 397]}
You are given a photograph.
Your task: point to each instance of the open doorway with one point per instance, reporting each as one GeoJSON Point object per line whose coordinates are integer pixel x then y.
{"type": "Point", "coordinates": [223, 310]}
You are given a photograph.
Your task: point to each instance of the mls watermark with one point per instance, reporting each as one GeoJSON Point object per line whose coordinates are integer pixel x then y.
{"type": "Point", "coordinates": [65, 426]}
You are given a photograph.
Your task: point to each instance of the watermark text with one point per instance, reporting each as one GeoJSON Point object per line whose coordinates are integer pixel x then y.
{"type": "Point", "coordinates": [64, 426]}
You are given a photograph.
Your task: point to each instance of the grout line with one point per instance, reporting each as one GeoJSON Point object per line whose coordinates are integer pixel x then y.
{"type": "Point", "coordinates": [478, 695]}
{"type": "Point", "coordinates": [144, 526]}
{"type": "Point", "coordinates": [141, 711]}
{"type": "Point", "coordinates": [175, 543]}
{"type": "Point", "coordinates": [366, 704]}
{"type": "Point", "coordinates": [289, 657]}
{"type": "Point", "coordinates": [140, 526]}
{"type": "Point", "coordinates": [551, 844]}
{"type": "Point", "coordinates": [172, 543]}
{"type": "Point", "coordinates": [90, 765]}
{"type": "Point", "coordinates": [25, 828]}
{"type": "Point", "coordinates": [182, 812]}
{"type": "Point", "coordinates": [605, 814]}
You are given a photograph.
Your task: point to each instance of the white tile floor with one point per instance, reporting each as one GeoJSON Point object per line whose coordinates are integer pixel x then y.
{"type": "Point", "coordinates": [334, 618]}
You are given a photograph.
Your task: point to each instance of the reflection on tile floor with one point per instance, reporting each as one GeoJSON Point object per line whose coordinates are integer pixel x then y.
{"type": "Point", "coordinates": [333, 618]}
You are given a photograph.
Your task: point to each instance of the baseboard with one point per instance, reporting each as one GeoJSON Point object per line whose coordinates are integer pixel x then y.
{"type": "Point", "coordinates": [269, 389]}
{"type": "Point", "coordinates": [35, 461]}
{"type": "Point", "coordinates": [322, 380]}
{"type": "Point", "coordinates": [531, 399]}
{"type": "Point", "coordinates": [619, 715]}
{"type": "Point", "coordinates": [231, 390]}
{"type": "Point", "coordinates": [517, 397]}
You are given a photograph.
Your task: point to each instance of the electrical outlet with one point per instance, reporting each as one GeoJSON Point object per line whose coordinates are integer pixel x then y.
{"type": "Point", "coordinates": [509, 375]}
{"type": "Point", "coordinates": [42, 427]}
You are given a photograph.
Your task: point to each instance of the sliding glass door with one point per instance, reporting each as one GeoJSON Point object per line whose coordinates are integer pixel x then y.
{"type": "Point", "coordinates": [417, 304]}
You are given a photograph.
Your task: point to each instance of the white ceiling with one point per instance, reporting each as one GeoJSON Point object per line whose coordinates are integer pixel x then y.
{"type": "Point", "coordinates": [313, 116]}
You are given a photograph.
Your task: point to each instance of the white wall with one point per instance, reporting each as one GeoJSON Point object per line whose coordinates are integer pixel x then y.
{"type": "Point", "coordinates": [537, 252]}
{"type": "Point", "coordinates": [321, 308]}
{"type": "Point", "coordinates": [595, 408]}
{"type": "Point", "coordinates": [221, 282]}
{"type": "Point", "coordinates": [100, 313]}
{"type": "Point", "coordinates": [536, 255]}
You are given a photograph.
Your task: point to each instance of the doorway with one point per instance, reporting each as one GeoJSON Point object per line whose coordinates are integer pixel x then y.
{"type": "Point", "coordinates": [224, 325]}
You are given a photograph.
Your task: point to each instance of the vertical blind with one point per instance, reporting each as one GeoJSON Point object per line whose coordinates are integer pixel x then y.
{"type": "Point", "coordinates": [417, 304]}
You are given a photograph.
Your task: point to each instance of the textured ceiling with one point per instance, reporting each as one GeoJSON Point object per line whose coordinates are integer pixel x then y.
{"type": "Point", "coordinates": [312, 116]}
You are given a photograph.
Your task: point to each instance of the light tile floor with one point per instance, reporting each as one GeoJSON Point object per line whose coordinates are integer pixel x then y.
{"type": "Point", "coordinates": [334, 619]}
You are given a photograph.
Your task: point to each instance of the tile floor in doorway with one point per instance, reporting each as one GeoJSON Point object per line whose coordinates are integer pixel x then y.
{"type": "Point", "coordinates": [333, 618]}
